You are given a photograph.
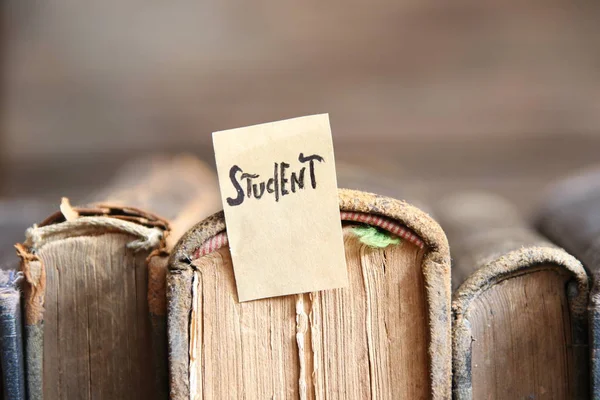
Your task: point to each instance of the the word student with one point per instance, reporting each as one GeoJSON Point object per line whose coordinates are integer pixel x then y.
{"type": "Point", "coordinates": [283, 182]}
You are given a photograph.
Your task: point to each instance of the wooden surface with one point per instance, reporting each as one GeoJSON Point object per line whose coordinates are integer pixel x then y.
{"type": "Point", "coordinates": [521, 339]}
{"type": "Point", "coordinates": [91, 80]}
{"type": "Point", "coordinates": [442, 96]}
{"type": "Point", "coordinates": [366, 341]}
{"type": "Point", "coordinates": [516, 168]}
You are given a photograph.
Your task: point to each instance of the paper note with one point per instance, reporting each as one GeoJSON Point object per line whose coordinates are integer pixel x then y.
{"type": "Point", "coordinates": [279, 192]}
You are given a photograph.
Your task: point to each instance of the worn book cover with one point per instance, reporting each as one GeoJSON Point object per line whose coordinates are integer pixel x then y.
{"type": "Point", "coordinates": [386, 335]}
{"type": "Point", "coordinates": [11, 338]}
{"type": "Point", "coordinates": [519, 324]}
{"type": "Point", "coordinates": [570, 216]}
{"type": "Point", "coordinates": [94, 283]}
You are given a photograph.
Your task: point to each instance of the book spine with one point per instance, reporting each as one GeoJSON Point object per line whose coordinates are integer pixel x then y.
{"type": "Point", "coordinates": [569, 218]}
{"type": "Point", "coordinates": [33, 324]}
{"type": "Point", "coordinates": [157, 308]}
{"type": "Point", "coordinates": [34, 350]}
{"type": "Point", "coordinates": [179, 299]}
{"type": "Point", "coordinates": [491, 242]}
{"type": "Point", "coordinates": [11, 341]}
{"type": "Point", "coordinates": [181, 188]}
{"type": "Point", "coordinates": [435, 268]}
{"type": "Point", "coordinates": [594, 350]}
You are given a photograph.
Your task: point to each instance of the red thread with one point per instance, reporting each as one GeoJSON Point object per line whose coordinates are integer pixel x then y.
{"type": "Point", "coordinates": [221, 239]}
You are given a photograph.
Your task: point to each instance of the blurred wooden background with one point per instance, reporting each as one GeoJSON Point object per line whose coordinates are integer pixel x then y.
{"type": "Point", "coordinates": [500, 95]}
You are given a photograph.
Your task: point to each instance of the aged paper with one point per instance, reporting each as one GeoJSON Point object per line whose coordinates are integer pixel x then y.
{"type": "Point", "coordinates": [279, 192]}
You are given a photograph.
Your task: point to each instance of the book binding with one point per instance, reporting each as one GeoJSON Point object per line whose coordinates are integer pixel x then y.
{"type": "Point", "coordinates": [11, 338]}
{"type": "Point", "coordinates": [435, 269]}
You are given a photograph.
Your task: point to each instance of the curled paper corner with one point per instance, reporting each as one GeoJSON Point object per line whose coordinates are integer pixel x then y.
{"type": "Point", "coordinates": [67, 210]}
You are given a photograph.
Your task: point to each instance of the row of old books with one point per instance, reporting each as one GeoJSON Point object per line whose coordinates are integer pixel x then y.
{"type": "Point", "coordinates": [133, 297]}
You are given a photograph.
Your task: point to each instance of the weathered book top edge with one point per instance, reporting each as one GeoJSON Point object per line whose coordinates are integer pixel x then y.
{"type": "Point", "coordinates": [425, 227]}
{"type": "Point", "coordinates": [492, 242]}
{"type": "Point", "coordinates": [519, 262]}
{"type": "Point", "coordinates": [97, 219]}
{"type": "Point", "coordinates": [108, 210]}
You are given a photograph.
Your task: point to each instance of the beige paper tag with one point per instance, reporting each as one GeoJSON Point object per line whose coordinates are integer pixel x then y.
{"type": "Point", "coordinates": [279, 193]}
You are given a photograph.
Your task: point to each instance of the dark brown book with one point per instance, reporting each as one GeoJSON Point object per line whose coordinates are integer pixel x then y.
{"type": "Point", "coordinates": [386, 335]}
{"type": "Point", "coordinates": [94, 287]}
{"type": "Point", "coordinates": [519, 323]}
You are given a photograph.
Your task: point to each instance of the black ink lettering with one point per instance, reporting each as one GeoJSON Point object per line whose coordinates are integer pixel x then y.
{"type": "Point", "coordinates": [311, 164]}
{"type": "Point", "coordinates": [298, 179]}
{"type": "Point", "coordinates": [258, 194]}
{"type": "Point", "coordinates": [248, 178]}
{"type": "Point", "coordinates": [270, 183]}
{"type": "Point", "coordinates": [240, 192]}
{"type": "Point", "coordinates": [276, 179]}
{"type": "Point", "coordinates": [284, 180]}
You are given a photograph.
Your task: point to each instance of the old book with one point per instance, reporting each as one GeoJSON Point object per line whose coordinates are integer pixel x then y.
{"type": "Point", "coordinates": [570, 216]}
{"type": "Point", "coordinates": [15, 215]}
{"type": "Point", "coordinates": [519, 324]}
{"type": "Point", "coordinates": [94, 287]}
{"type": "Point", "coordinates": [11, 340]}
{"type": "Point", "coordinates": [385, 336]}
